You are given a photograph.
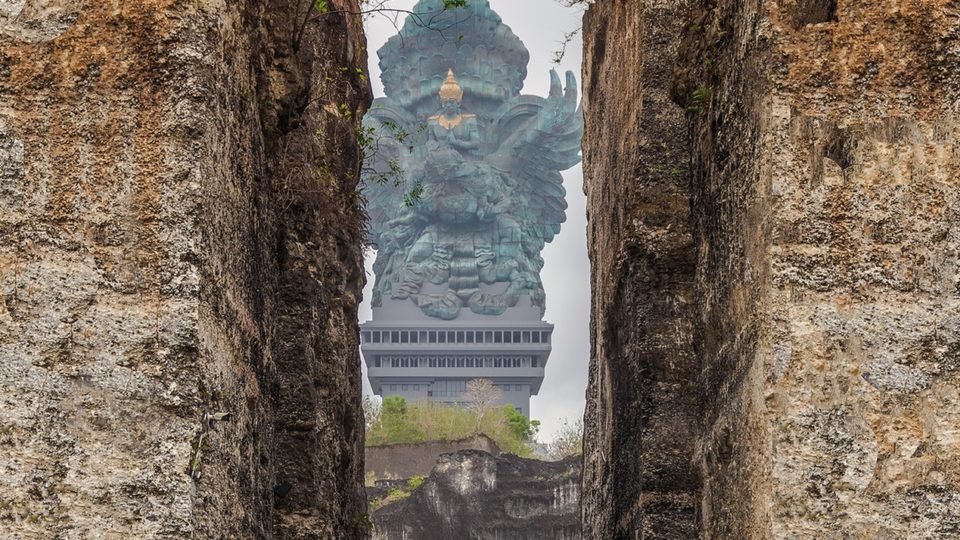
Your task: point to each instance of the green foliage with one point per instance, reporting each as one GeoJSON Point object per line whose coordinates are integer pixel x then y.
{"type": "Point", "coordinates": [450, 4]}
{"type": "Point", "coordinates": [415, 482]}
{"type": "Point", "coordinates": [397, 494]}
{"type": "Point", "coordinates": [700, 99]}
{"type": "Point", "coordinates": [397, 422]}
{"type": "Point", "coordinates": [522, 427]}
{"type": "Point", "coordinates": [370, 138]}
{"type": "Point", "coordinates": [321, 6]}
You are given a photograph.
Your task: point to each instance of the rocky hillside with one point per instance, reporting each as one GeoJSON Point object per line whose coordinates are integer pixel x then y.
{"type": "Point", "coordinates": [776, 326]}
{"type": "Point", "coordinates": [472, 495]}
{"type": "Point", "coordinates": [180, 268]}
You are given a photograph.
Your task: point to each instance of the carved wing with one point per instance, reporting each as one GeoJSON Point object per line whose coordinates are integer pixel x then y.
{"type": "Point", "coordinates": [390, 141]}
{"type": "Point", "coordinates": [537, 138]}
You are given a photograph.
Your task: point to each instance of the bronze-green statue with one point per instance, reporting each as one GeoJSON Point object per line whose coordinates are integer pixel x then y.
{"type": "Point", "coordinates": [486, 161]}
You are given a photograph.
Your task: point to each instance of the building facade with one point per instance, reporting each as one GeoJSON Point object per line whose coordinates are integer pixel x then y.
{"type": "Point", "coordinates": [421, 359]}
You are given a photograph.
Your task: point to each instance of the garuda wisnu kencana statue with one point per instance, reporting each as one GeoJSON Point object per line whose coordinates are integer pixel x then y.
{"type": "Point", "coordinates": [479, 191]}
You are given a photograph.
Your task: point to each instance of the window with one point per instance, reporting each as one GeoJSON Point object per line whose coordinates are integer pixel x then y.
{"type": "Point", "coordinates": [442, 336]}
{"type": "Point", "coordinates": [488, 337]}
{"type": "Point", "coordinates": [498, 362]}
{"type": "Point", "coordinates": [393, 387]}
{"type": "Point", "coordinates": [508, 337]}
{"type": "Point", "coordinates": [414, 337]}
{"type": "Point", "coordinates": [376, 337]}
{"type": "Point", "coordinates": [451, 337]}
{"type": "Point", "coordinates": [394, 337]}
{"type": "Point", "coordinates": [518, 387]}
{"type": "Point", "coordinates": [433, 362]}
{"type": "Point", "coordinates": [461, 362]}
{"type": "Point", "coordinates": [416, 388]}
{"type": "Point", "coordinates": [498, 337]}
{"type": "Point", "coordinates": [479, 337]}
{"type": "Point", "coordinates": [536, 337]}
{"type": "Point", "coordinates": [376, 362]}
{"type": "Point", "coordinates": [469, 337]}
{"type": "Point", "coordinates": [433, 336]}
{"type": "Point", "coordinates": [516, 337]}
{"type": "Point", "coordinates": [461, 337]}
{"type": "Point", "coordinates": [404, 387]}
{"type": "Point", "coordinates": [533, 362]}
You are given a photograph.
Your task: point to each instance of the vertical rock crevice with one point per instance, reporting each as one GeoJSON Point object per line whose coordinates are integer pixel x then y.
{"type": "Point", "coordinates": [641, 407]}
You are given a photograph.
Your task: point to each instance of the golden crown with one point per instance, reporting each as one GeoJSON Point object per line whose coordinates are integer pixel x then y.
{"type": "Point", "coordinates": [451, 89]}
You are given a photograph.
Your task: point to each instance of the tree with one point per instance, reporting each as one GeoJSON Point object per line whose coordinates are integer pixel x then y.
{"type": "Point", "coordinates": [310, 11]}
{"type": "Point", "coordinates": [524, 428]}
{"type": "Point", "coordinates": [481, 394]}
{"type": "Point", "coordinates": [568, 441]}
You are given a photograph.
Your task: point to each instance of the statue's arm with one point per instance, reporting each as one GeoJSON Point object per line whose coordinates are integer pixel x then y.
{"type": "Point", "coordinates": [472, 142]}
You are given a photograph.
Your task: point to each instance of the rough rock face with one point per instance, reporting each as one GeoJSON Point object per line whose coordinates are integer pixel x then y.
{"type": "Point", "coordinates": [472, 495]}
{"type": "Point", "coordinates": [180, 237]}
{"type": "Point", "coordinates": [641, 403]}
{"type": "Point", "coordinates": [824, 189]}
{"type": "Point", "coordinates": [403, 461]}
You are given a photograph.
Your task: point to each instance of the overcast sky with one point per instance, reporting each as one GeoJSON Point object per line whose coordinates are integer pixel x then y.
{"type": "Point", "coordinates": [541, 24]}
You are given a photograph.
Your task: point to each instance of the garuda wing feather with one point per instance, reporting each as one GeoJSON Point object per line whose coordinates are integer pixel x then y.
{"type": "Point", "coordinates": [537, 138]}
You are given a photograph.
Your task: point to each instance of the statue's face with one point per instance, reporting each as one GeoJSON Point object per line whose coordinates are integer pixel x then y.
{"type": "Point", "coordinates": [450, 107]}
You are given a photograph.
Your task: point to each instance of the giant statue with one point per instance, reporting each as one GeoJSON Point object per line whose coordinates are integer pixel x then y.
{"type": "Point", "coordinates": [463, 187]}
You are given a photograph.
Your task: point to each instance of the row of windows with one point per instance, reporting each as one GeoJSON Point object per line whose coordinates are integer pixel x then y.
{"type": "Point", "coordinates": [455, 361]}
{"type": "Point", "coordinates": [451, 388]}
{"type": "Point", "coordinates": [456, 336]}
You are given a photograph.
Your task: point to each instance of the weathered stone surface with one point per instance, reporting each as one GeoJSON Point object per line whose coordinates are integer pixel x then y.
{"type": "Point", "coordinates": [826, 188]}
{"type": "Point", "coordinates": [824, 215]}
{"type": "Point", "coordinates": [173, 244]}
{"type": "Point", "coordinates": [404, 461]}
{"type": "Point", "coordinates": [472, 495]}
{"type": "Point", "coordinates": [641, 403]}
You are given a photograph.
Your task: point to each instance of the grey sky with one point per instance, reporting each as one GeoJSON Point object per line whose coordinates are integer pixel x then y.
{"type": "Point", "coordinates": [541, 24]}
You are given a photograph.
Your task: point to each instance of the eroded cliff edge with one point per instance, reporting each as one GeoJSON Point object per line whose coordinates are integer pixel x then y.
{"type": "Point", "coordinates": [471, 494]}
{"type": "Point", "coordinates": [180, 237]}
{"type": "Point", "coordinates": [823, 189]}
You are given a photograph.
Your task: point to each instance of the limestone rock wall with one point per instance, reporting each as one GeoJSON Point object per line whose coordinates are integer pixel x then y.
{"type": "Point", "coordinates": [473, 495]}
{"type": "Point", "coordinates": [823, 207]}
{"type": "Point", "coordinates": [641, 410]}
{"type": "Point", "coordinates": [180, 237]}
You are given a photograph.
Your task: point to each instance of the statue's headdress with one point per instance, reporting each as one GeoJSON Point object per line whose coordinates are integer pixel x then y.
{"type": "Point", "coordinates": [451, 89]}
{"type": "Point", "coordinates": [489, 59]}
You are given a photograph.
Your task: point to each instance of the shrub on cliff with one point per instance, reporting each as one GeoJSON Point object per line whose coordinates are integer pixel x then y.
{"type": "Point", "coordinates": [397, 422]}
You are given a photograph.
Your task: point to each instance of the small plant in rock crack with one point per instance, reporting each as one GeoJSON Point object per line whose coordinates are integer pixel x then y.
{"type": "Point", "coordinates": [700, 99]}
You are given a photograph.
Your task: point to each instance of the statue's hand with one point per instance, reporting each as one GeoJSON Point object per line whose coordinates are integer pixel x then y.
{"type": "Point", "coordinates": [561, 103]}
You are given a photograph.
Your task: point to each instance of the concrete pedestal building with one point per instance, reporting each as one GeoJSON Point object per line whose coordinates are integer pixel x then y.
{"type": "Point", "coordinates": [422, 359]}
{"type": "Point", "coordinates": [463, 192]}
